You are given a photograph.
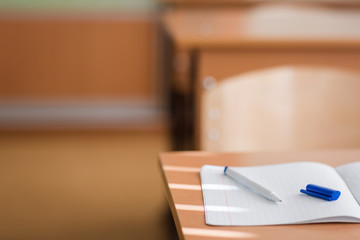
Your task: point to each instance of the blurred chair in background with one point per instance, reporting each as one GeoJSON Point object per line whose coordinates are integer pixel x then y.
{"type": "Point", "coordinates": [216, 43]}
{"type": "Point", "coordinates": [283, 108]}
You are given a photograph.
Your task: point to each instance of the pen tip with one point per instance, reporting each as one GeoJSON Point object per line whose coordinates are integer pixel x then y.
{"type": "Point", "coordinates": [280, 201]}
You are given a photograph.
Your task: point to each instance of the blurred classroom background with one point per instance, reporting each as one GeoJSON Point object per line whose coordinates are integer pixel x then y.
{"type": "Point", "coordinates": [92, 91]}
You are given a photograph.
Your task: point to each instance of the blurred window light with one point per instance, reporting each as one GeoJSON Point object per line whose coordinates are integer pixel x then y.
{"type": "Point", "coordinates": [292, 21]}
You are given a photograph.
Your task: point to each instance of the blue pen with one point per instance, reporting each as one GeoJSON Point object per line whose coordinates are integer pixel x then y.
{"type": "Point", "coordinates": [321, 192]}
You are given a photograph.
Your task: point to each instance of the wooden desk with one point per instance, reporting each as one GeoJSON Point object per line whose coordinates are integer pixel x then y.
{"type": "Point", "coordinates": [182, 182]}
{"type": "Point", "coordinates": [217, 43]}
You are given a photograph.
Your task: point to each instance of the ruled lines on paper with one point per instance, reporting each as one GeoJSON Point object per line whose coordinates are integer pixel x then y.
{"type": "Point", "coordinates": [285, 180]}
{"type": "Point", "coordinates": [350, 173]}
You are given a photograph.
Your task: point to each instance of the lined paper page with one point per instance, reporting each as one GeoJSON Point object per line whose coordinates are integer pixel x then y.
{"type": "Point", "coordinates": [351, 175]}
{"type": "Point", "coordinates": [228, 203]}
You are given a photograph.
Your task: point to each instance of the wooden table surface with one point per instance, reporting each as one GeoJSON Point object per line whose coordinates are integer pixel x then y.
{"type": "Point", "coordinates": [264, 26]}
{"type": "Point", "coordinates": [182, 183]}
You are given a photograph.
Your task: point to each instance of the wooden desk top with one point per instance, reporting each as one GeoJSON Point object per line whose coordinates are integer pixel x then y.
{"type": "Point", "coordinates": [267, 26]}
{"type": "Point", "coordinates": [181, 172]}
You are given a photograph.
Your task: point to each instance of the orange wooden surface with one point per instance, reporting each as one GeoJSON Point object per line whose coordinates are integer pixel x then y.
{"type": "Point", "coordinates": [182, 183]}
{"type": "Point", "coordinates": [77, 185]}
{"type": "Point", "coordinates": [221, 40]}
{"type": "Point", "coordinates": [57, 58]}
{"type": "Point", "coordinates": [239, 61]}
{"type": "Point", "coordinates": [221, 64]}
{"type": "Point", "coordinates": [282, 108]}
{"type": "Point", "coordinates": [231, 28]}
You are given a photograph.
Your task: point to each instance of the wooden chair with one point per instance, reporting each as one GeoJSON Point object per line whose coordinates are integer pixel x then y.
{"type": "Point", "coordinates": [284, 108]}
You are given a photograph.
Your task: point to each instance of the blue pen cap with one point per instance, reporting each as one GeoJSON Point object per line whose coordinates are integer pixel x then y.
{"type": "Point", "coordinates": [334, 194]}
{"type": "Point", "coordinates": [321, 192]}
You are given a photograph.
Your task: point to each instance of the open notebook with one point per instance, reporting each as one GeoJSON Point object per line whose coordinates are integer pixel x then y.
{"type": "Point", "coordinates": [229, 204]}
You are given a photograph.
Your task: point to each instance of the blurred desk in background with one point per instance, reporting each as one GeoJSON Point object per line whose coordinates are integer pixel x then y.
{"type": "Point", "coordinates": [212, 44]}
{"type": "Point", "coordinates": [76, 69]}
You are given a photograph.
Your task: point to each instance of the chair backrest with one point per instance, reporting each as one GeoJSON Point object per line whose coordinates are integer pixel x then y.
{"type": "Point", "coordinates": [284, 108]}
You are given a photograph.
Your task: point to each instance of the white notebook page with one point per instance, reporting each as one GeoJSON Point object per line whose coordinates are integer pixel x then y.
{"type": "Point", "coordinates": [228, 203]}
{"type": "Point", "coordinates": [350, 173]}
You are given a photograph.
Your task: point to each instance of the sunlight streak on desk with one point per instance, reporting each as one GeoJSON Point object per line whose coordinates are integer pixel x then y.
{"type": "Point", "coordinates": [200, 208]}
{"type": "Point", "coordinates": [181, 169]}
{"type": "Point", "coordinates": [216, 233]}
{"type": "Point", "coordinates": [204, 186]}
{"type": "Point", "coordinates": [184, 186]}
{"type": "Point", "coordinates": [185, 207]}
